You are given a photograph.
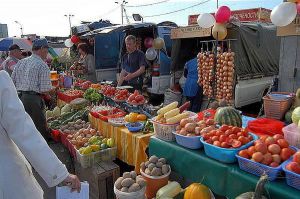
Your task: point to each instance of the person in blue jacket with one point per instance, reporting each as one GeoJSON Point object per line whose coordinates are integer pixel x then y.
{"type": "Point", "coordinates": [192, 90]}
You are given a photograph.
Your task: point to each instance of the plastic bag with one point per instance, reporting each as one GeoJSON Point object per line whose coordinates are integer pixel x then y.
{"type": "Point", "coordinates": [265, 126]}
{"type": "Point", "coordinates": [208, 114]}
{"type": "Point", "coordinates": [172, 96]}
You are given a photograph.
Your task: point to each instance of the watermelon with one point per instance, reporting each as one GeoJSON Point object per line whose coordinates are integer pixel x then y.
{"type": "Point", "coordinates": [228, 115]}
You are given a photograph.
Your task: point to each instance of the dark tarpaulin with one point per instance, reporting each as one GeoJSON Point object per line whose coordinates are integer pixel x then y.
{"type": "Point", "coordinates": [257, 49]}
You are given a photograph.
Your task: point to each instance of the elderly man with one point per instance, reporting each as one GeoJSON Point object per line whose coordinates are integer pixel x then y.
{"type": "Point", "coordinates": [31, 77]}
{"type": "Point", "coordinates": [15, 54]}
{"type": "Point", "coordinates": [133, 65]}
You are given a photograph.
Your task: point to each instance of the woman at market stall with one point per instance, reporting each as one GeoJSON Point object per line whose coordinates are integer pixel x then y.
{"type": "Point", "coordinates": [88, 62]}
{"type": "Point", "coordinates": [192, 90]}
{"type": "Point", "coordinates": [21, 143]}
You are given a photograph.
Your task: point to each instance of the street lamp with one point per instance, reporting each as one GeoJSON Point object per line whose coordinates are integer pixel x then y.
{"type": "Point", "coordinates": [21, 27]}
{"type": "Point", "coordinates": [70, 15]}
{"type": "Point", "coordinates": [122, 3]}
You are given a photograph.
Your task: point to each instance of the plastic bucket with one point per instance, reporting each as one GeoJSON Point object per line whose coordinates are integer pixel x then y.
{"type": "Point", "coordinates": [68, 80]}
{"type": "Point", "coordinates": [154, 183]}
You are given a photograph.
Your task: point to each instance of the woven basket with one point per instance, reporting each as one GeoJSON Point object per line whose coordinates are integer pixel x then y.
{"type": "Point", "coordinates": [276, 108]}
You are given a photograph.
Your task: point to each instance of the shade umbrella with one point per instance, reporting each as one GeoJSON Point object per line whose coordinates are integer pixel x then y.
{"type": "Point", "coordinates": [5, 43]}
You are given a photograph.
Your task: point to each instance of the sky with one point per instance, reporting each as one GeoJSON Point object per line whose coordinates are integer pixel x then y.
{"type": "Point", "coordinates": [46, 17]}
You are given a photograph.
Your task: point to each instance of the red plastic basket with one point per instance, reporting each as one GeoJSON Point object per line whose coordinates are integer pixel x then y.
{"type": "Point", "coordinates": [68, 144]}
{"type": "Point", "coordinates": [66, 98]}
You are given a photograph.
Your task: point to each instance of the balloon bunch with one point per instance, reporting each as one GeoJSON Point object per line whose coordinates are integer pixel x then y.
{"type": "Point", "coordinates": [285, 13]}
{"type": "Point", "coordinates": [157, 44]}
{"type": "Point", "coordinates": [218, 22]}
{"type": "Point", "coordinates": [70, 42]}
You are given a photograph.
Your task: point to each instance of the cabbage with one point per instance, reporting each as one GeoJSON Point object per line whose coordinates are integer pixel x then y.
{"type": "Point", "coordinates": [296, 115]}
{"type": "Point", "coordinates": [56, 112]}
{"type": "Point", "coordinates": [65, 109]}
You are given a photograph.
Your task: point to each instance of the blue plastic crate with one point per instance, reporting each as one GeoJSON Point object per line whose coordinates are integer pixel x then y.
{"type": "Point", "coordinates": [292, 179]}
{"type": "Point", "coordinates": [190, 142]}
{"type": "Point", "coordinates": [258, 169]}
{"type": "Point", "coordinates": [223, 154]}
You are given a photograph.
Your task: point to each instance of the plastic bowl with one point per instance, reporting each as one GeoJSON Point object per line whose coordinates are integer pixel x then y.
{"type": "Point", "coordinates": [134, 127]}
{"type": "Point", "coordinates": [190, 142]}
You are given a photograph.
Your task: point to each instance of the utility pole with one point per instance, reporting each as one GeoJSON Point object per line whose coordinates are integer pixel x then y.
{"type": "Point", "coordinates": [122, 3]}
{"type": "Point", "coordinates": [21, 28]}
{"type": "Point", "coordinates": [70, 15]}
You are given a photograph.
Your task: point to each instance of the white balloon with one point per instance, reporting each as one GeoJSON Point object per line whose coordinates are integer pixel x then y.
{"type": "Point", "coordinates": [68, 43]}
{"type": "Point", "coordinates": [151, 54]}
{"type": "Point", "coordinates": [206, 20]}
{"type": "Point", "coordinates": [284, 14]}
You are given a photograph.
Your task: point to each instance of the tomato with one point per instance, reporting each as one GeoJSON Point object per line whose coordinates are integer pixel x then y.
{"type": "Point", "coordinates": [213, 132]}
{"type": "Point", "coordinates": [268, 159]}
{"type": "Point", "coordinates": [233, 136]}
{"type": "Point", "coordinates": [209, 141]}
{"type": "Point", "coordinates": [228, 132]}
{"type": "Point", "coordinates": [274, 164]}
{"type": "Point", "coordinates": [258, 142]}
{"type": "Point", "coordinates": [235, 130]}
{"type": "Point", "coordinates": [217, 143]}
{"type": "Point", "coordinates": [224, 145]}
{"type": "Point", "coordinates": [131, 98]}
{"type": "Point", "coordinates": [205, 137]}
{"type": "Point", "coordinates": [270, 140]}
{"type": "Point", "coordinates": [278, 137]}
{"type": "Point", "coordinates": [215, 138]}
{"type": "Point", "coordinates": [236, 144]}
{"type": "Point", "coordinates": [133, 102]}
{"type": "Point", "coordinates": [223, 138]}
{"type": "Point", "coordinates": [239, 134]}
{"type": "Point", "coordinates": [296, 157]}
{"type": "Point", "coordinates": [136, 92]}
{"type": "Point", "coordinates": [258, 157]}
{"type": "Point", "coordinates": [244, 154]}
{"type": "Point", "coordinates": [261, 147]}
{"type": "Point", "coordinates": [243, 140]}
{"type": "Point", "coordinates": [251, 150]}
{"type": "Point", "coordinates": [224, 127]}
{"type": "Point", "coordinates": [264, 137]}
{"type": "Point", "coordinates": [285, 154]}
{"type": "Point", "coordinates": [294, 167]}
{"type": "Point", "coordinates": [276, 158]}
{"type": "Point", "coordinates": [283, 143]}
{"type": "Point", "coordinates": [218, 133]}
{"type": "Point", "coordinates": [139, 98]}
{"type": "Point", "coordinates": [274, 149]}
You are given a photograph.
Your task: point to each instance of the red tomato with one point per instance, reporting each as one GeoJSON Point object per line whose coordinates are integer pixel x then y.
{"type": "Point", "coordinates": [215, 138]}
{"type": "Point", "coordinates": [258, 142]}
{"type": "Point", "coordinates": [278, 137]}
{"type": "Point", "coordinates": [131, 98]}
{"type": "Point", "coordinates": [133, 102]}
{"type": "Point", "coordinates": [285, 154]}
{"type": "Point", "coordinates": [228, 132]}
{"type": "Point", "coordinates": [296, 157]}
{"type": "Point", "coordinates": [233, 136]}
{"type": "Point", "coordinates": [268, 159]}
{"type": "Point", "coordinates": [244, 154]}
{"type": "Point", "coordinates": [209, 141]}
{"type": "Point", "coordinates": [294, 167]}
{"type": "Point", "coordinates": [276, 158]}
{"type": "Point", "coordinates": [243, 140]}
{"type": "Point", "coordinates": [139, 98]}
{"type": "Point", "coordinates": [205, 137]}
{"type": "Point", "coordinates": [223, 138]}
{"type": "Point", "coordinates": [239, 134]}
{"type": "Point", "coordinates": [274, 149]}
{"type": "Point", "coordinates": [224, 127]}
{"type": "Point", "coordinates": [270, 140]}
{"type": "Point", "coordinates": [283, 143]}
{"type": "Point", "coordinates": [218, 133]}
{"type": "Point", "coordinates": [224, 145]}
{"type": "Point", "coordinates": [235, 130]}
{"type": "Point", "coordinates": [264, 137]}
{"type": "Point", "coordinates": [236, 144]}
{"type": "Point", "coordinates": [258, 157]}
{"type": "Point", "coordinates": [274, 164]}
{"type": "Point", "coordinates": [251, 150]}
{"type": "Point", "coordinates": [261, 147]}
{"type": "Point", "coordinates": [217, 143]}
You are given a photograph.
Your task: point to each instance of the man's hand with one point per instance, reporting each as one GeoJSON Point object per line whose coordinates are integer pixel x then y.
{"type": "Point", "coordinates": [128, 77]}
{"type": "Point", "coordinates": [73, 182]}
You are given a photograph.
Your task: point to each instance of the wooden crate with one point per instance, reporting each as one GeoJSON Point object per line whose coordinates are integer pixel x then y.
{"type": "Point", "coordinates": [101, 179]}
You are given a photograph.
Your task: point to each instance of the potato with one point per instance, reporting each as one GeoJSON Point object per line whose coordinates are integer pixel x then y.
{"type": "Point", "coordinates": [151, 166]}
{"type": "Point", "coordinates": [190, 127]}
{"type": "Point", "coordinates": [156, 172]}
{"type": "Point", "coordinates": [178, 128]}
{"type": "Point", "coordinates": [184, 121]}
{"type": "Point", "coordinates": [118, 183]}
{"type": "Point", "coordinates": [134, 188]}
{"type": "Point", "coordinates": [126, 175]}
{"type": "Point", "coordinates": [88, 135]}
{"type": "Point", "coordinates": [153, 159]}
{"type": "Point", "coordinates": [165, 169]}
{"type": "Point", "coordinates": [206, 130]}
{"type": "Point", "coordinates": [197, 130]}
{"type": "Point", "coordinates": [142, 166]}
{"type": "Point", "coordinates": [162, 160]}
{"type": "Point", "coordinates": [127, 182]}
{"type": "Point", "coordinates": [201, 123]}
{"type": "Point", "coordinates": [124, 189]}
{"type": "Point", "coordinates": [159, 164]}
{"type": "Point", "coordinates": [183, 132]}
{"type": "Point", "coordinates": [147, 163]}
{"type": "Point", "coordinates": [141, 181]}
{"type": "Point", "coordinates": [133, 174]}
{"type": "Point", "coordinates": [147, 171]}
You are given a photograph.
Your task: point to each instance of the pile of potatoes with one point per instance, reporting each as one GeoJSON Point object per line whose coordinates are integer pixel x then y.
{"type": "Point", "coordinates": [155, 166]}
{"type": "Point", "coordinates": [82, 136]}
{"type": "Point", "coordinates": [190, 127]}
{"type": "Point", "coordinates": [73, 127]}
{"type": "Point", "coordinates": [130, 182]}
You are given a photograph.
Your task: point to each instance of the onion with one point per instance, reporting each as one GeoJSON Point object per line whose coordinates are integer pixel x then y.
{"type": "Point", "coordinates": [230, 63]}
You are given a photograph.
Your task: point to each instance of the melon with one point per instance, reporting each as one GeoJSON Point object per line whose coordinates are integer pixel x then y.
{"type": "Point", "coordinates": [228, 115]}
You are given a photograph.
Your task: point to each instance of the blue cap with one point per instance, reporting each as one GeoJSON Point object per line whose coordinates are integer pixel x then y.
{"type": "Point", "coordinates": [39, 43]}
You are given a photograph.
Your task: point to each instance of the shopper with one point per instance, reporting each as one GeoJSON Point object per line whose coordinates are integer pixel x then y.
{"type": "Point", "coordinates": [88, 62]}
{"type": "Point", "coordinates": [15, 54]}
{"type": "Point", "coordinates": [21, 144]}
{"type": "Point", "coordinates": [31, 77]}
{"type": "Point", "coordinates": [133, 65]}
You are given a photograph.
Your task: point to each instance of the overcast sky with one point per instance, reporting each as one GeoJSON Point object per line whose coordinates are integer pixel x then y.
{"type": "Point", "coordinates": [46, 17]}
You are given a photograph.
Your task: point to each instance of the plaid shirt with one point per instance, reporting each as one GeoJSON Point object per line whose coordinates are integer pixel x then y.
{"type": "Point", "coordinates": [32, 74]}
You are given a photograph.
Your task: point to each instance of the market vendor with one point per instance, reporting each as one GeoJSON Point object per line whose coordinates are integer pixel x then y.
{"type": "Point", "coordinates": [88, 62]}
{"type": "Point", "coordinates": [191, 89]}
{"type": "Point", "coordinates": [133, 65]}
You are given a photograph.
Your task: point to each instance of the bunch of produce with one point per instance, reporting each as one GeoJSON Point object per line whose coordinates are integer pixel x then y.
{"type": "Point", "coordinates": [135, 117]}
{"type": "Point", "coordinates": [96, 86]}
{"type": "Point", "coordinates": [294, 165]}
{"type": "Point", "coordinates": [108, 90]}
{"type": "Point", "coordinates": [227, 136]}
{"type": "Point", "coordinates": [155, 166]}
{"type": "Point", "coordinates": [82, 84]}
{"type": "Point", "coordinates": [81, 137]}
{"type": "Point", "coordinates": [224, 74]}
{"type": "Point", "coordinates": [130, 182]}
{"type": "Point", "coordinates": [92, 95]}
{"type": "Point", "coordinates": [268, 150]}
{"type": "Point", "coordinates": [171, 114]}
{"type": "Point", "coordinates": [190, 127]}
{"type": "Point", "coordinates": [68, 117]}
{"type": "Point", "coordinates": [73, 127]}
{"type": "Point", "coordinates": [136, 98]}
{"type": "Point", "coordinates": [56, 112]}
{"type": "Point", "coordinates": [72, 92]}
{"type": "Point", "coordinates": [122, 95]}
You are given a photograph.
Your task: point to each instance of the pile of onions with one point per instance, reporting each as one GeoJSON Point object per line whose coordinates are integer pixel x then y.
{"type": "Point", "coordinates": [224, 76]}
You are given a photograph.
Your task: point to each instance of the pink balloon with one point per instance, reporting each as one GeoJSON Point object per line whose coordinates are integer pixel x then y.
{"type": "Point", "coordinates": [223, 14]}
{"type": "Point", "coordinates": [298, 8]}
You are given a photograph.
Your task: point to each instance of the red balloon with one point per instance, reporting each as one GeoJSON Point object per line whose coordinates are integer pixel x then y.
{"type": "Point", "coordinates": [75, 39]}
{"type": "Point", "coordinates": [223, 14]}
{"type": "Point", "coordinates": [298, 8]}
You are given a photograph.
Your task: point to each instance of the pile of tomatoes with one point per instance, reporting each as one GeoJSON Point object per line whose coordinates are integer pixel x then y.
{"type": "Point", "coordinates": [228, 137]}
{"type": "Point", "coordinates": [268, 150]}
{"type": "Point", "coordinates": [122, 95]}
{"type": "Point", "coordinates": [136, 98]}
{"type": "Point", "coordinates": [109, 90]}
{"type": "Point", "coordinates": [73, 92]}
{"type": "Point", "coordinates": [294, 166]}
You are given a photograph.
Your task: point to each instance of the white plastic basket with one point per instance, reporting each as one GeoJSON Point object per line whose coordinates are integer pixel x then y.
{"type": "Point", "coordinates": [134, 195]}
{"type": "Point", "coordinates": [93, 158]}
